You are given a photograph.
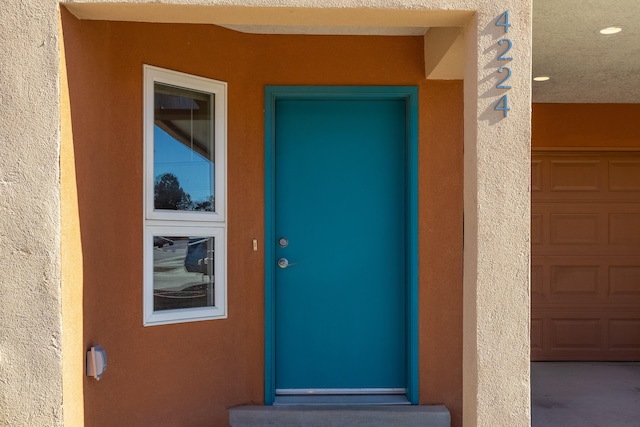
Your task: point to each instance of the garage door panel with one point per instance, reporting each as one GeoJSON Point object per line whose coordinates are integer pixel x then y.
{"type": "Point", "coordinates": [575, 175]}
{"type": "Point", "coordinates": [537, 228]}
{"type": "Point", "coordinates": [624, 280]}
{"type": "Point", "coordinates": [570, 280]}
{"type": "Point", "coordinates": [585, 228]}
{"type": "Point", "coordinates": [623, 175]}
{"type": "Point", "coordinates": [589, 334]}
{"type": "Point", "coordinates": [574, 229]}
{"type": "Point", "coordinates": [624, 229]}
{"type": "Point", "coordinates": [576, 333]}
{"type": "Point", "coordinates": [537, 329]}
{"type": "Point", "coordinates": [537, 280]}
{"type": "Point", "coordinates": [624, 333]}
{"type": "Point", "coordinates": [585, 265]}
{"type": "Point", "coordinates": [575, 280]}
{"type": "Point", "coordinates": [563, 176]}
{"type": "Point", "coordinates": [536, 175]}
{"type": "Point", "coordinates": [582, 281]}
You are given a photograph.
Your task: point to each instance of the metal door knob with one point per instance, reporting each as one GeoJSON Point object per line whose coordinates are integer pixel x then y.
{"type": "Point", "coordinates": [284, 263]}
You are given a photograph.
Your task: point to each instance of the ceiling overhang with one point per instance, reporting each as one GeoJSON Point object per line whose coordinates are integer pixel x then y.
{"type": "Point", "coordinates": [256, 17]}
{"type": "Point", "coordinates": [584, 65]}
{"type": "Point", "coordinates": [442, 30]}
{"type": "Point", "coordinates": [444, 53]}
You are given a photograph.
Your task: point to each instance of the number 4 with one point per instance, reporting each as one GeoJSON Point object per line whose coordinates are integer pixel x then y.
{"type": "Point", "coordinates": [503, 105]}
{"type": "Point", "coordinates": [503, 21]}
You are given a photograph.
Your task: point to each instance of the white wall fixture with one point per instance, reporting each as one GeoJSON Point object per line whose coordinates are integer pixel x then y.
{"type": "Point", "coordinates": [96, 362]}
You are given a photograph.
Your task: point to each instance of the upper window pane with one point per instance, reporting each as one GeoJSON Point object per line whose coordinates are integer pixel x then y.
{"type": "Point", "coordinates": [183, 149]}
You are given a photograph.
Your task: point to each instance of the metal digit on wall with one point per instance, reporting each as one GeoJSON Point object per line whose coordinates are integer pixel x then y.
{"type": "Point", "coordinates": [501, 85]}
{"type": "Point", "coordinates": [503, 21]}
{"type": "Point", "coordinates": [503, 105]}
{"type": "Point", "coordinates": [503, 102]}
{"type": "Point", "coordinates": [502, 56]}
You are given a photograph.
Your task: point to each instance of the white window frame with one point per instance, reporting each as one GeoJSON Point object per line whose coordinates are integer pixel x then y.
{"type": "Point", "coordinates": [219, 90]}
{"type": "Point", "coordinates": [185, 223]}
{"type": "Point", "coordinates": [163, 317]}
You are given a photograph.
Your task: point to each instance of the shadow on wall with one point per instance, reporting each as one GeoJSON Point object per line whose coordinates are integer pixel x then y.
{"type": "Point", "coordinates": [201, 368]}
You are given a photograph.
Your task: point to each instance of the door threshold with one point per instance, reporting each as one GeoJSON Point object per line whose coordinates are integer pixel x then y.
{"type": "Point", "coordinates": [342, 399]}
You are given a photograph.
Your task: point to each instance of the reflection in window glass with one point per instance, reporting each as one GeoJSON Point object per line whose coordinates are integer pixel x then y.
{"type": "Point", "coordinates": [183, 272]}
{"type": "Point", "coordinates": [183, 164]}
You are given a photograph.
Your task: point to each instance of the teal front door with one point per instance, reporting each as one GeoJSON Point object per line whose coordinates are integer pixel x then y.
{"type": "Point", "coordinates": [339, 245]}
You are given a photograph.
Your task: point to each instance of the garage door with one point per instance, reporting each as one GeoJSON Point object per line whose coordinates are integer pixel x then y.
{"type": "Point", "coordinates": [585, 266]}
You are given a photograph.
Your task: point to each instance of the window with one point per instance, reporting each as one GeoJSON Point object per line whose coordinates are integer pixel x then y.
{"type": "Point", "coordinates": [184, 197]}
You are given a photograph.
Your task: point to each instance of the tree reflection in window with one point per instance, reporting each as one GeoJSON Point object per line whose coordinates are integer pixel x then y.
{"type": "Point", "coordinates": [183, 149]}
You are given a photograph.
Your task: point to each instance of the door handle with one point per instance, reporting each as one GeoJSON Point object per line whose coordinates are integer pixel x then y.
{"type": "Point", "coordinates": [284, 263]}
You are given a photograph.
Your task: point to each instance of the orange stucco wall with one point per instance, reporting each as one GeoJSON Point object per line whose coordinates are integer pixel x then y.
{"type": "Point", "coordinates": [188, 374]}
{"type": "Point", "coordinates": [585, 125]}
{"type": "Point", "coordinates": [440, 245]}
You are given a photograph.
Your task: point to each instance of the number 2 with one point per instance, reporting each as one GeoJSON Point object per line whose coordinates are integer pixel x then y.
{"type": "Point", "coordinates": [505, 21]}
{"type": "Point", "coordinates": [501, 85]}
{"type": "Point", "coordinates": [502, 56]}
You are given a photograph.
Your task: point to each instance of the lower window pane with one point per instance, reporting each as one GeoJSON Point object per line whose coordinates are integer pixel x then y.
{"type": "Point", "coordinates": [183, 272]}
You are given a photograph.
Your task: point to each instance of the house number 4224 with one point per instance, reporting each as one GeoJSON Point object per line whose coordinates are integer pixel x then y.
{"type": "Point", "coordinates": [505, 46]}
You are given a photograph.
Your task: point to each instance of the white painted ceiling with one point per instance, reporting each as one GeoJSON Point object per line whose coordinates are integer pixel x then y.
{"type": "Point", "coordinates": [584, 65]}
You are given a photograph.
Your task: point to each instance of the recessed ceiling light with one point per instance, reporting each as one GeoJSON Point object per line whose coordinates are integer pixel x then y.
{"type": "Point", "coordinates": [541, 78]}
{"type": "Point", "coordinates": [610, 30]}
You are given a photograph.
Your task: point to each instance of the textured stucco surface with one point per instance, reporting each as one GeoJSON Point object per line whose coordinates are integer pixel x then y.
{"type": "Point", "coordinates": [496, 218]}
{"type": "Point", "coordinates": [71, 261]}
{"type": "Point", "coordinates": [496, 347]}
{"type": "Point", "coordinates": [30, 311]}
{"type": "Point", "coordinates": [584, 65]}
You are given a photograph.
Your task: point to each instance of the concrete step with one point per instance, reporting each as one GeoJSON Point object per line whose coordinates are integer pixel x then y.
{"type": "Point", "coordinates": [340, 416]}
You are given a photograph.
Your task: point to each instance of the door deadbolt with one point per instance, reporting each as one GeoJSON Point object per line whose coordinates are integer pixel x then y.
{"type": "Point", "coordinates": [283, 242]}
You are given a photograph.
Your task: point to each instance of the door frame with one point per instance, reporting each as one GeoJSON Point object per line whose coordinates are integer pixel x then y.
{"type": "Point", "coordinates": [410, 95]}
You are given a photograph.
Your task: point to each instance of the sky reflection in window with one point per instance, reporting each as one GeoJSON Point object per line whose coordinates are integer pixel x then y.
{"type": "Point", "coordinates": [183, 150]}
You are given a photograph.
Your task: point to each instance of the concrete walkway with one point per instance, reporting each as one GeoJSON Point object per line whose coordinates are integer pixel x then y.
{"type": "Point", "coordinates": [340, 416]}
{"type": "Point", "coordinates": [585, 394]}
